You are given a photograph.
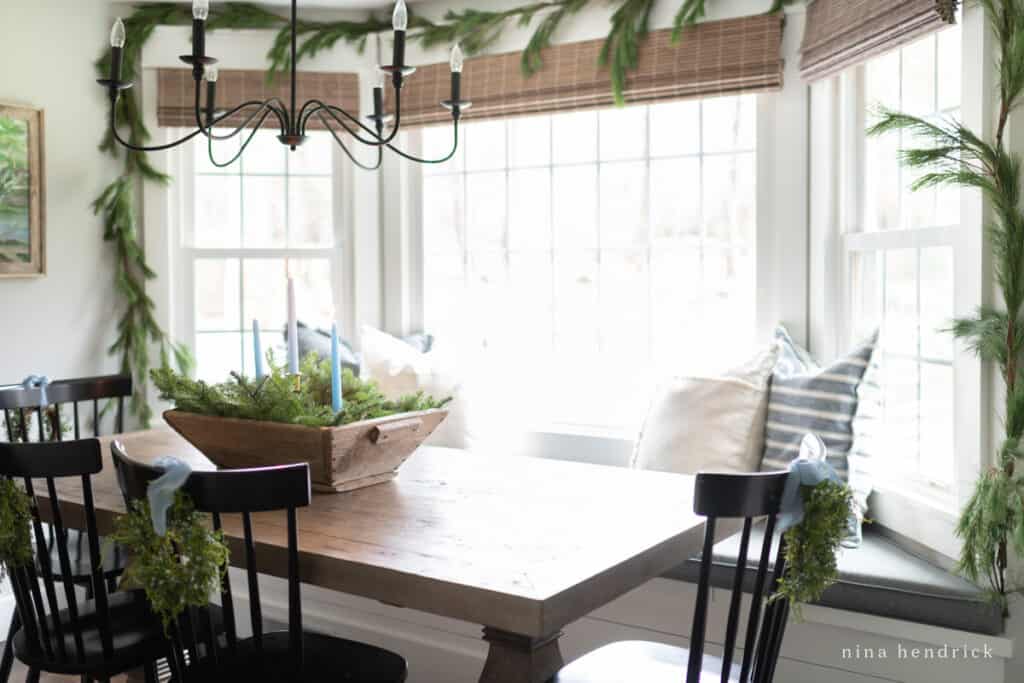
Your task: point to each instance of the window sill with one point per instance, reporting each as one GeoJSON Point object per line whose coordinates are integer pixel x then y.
{"type": "Point", "coordinates": [924, 524]}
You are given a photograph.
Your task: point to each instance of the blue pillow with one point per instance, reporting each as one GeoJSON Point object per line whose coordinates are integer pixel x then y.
{"type": "Point", "coordinates": [840, 402]}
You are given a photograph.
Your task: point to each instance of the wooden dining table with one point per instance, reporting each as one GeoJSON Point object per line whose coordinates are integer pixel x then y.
{"type": "Point", "coordinates": [522, 546]}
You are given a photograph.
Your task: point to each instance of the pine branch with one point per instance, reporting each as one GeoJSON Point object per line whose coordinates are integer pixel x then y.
{"type": "Point", "coordinates": [531, 61]}
{"type": "Point", "coordinates": [630, 24]}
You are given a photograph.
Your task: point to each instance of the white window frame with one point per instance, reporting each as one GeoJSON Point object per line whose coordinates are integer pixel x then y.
{"type": "Point", "coordinates": [912, 512]}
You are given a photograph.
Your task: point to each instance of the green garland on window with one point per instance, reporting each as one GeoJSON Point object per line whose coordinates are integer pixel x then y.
{"type": "Point", "coordinates": [137, 327]}
{"type": "Point", "coordinates": [952, 155]}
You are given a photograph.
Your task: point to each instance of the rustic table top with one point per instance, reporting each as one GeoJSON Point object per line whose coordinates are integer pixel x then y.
{"type": "Point", "coordinates": [524, 545]}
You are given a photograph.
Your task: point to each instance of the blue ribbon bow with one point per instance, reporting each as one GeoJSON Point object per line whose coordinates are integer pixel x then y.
{"type": "Point", "coordinates": [37, 382]}
{"type": "Point", "coordinates": [160, 491]}
{"type": "Point", "coordinates": [810, 469]}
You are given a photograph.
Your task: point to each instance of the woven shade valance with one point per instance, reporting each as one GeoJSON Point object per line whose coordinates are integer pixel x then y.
{"type": "Point", "coordinates": [842, 33]}
{"type": "Point", "coordinates": [176, 93]}
{"type": "Point", "coordinates": [712, 58]}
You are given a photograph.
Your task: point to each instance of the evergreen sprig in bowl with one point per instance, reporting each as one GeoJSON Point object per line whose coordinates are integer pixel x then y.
{"type": "Point", "coordinates": [254, 423]}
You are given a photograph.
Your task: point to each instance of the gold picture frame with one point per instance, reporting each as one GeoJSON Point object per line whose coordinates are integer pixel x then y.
{"type": "Point", "coordinates": [22, 193]}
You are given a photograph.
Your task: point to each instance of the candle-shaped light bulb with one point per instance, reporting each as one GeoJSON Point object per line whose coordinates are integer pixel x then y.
{"type": "Point", "coordinates": [211, 74]}
{"type": "Point", "coordinates": [117, 34]}
{"type": "Point", "coordinates": [200, 9]}
{"type": "Point", "coordinates": [457, 59]}
{"type": "Point", "coordinates": [400, 17]}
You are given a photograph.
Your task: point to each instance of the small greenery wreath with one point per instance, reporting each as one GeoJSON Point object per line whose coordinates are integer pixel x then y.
{"type": "Point", "coordinates": [178, 570]}
{"type": "Point", "coordinates": [15, 526]}
{"type": "Point", "coordinates": [811, 545]}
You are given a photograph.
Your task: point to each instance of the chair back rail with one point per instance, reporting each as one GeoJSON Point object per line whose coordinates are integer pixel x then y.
{"type": "Point", "coordinates": [244, 492]}
{"type": "Point", "coordinates": [17, 403]}
{"type": "Point", "coordinates": [748, 497]}
{"type": "Point", "coordinates": [45, 631]}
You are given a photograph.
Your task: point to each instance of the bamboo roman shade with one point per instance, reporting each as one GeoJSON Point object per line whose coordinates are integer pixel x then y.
{"type": "Point", "coordinates": [176, 93]}
{"type": "Point", "coordinates": [713, 58]}
{"type": "Point", "coordinates": [842, 33]}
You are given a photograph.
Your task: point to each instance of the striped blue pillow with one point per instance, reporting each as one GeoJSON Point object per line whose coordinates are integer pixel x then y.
{"type": "Point", "coordinates": [839, 402]}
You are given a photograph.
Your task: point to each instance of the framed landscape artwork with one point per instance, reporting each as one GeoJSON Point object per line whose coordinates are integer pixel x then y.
{"type": "Point", "coordinates": [22, 180]}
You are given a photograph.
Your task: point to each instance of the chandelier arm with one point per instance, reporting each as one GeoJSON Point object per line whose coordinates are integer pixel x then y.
{"type": "Point", "coordinates": [143, 148]}
{"type": "Point", "coordinates": [334, 111]}
{"type": "Point", "coordinates": [410, 157]}
{"type": "Point", "coordinates": [266, 105]}
{"type": "Point", "coordinates": [348, 153]}
{"type": "Point", "coordinates": [237, 156]}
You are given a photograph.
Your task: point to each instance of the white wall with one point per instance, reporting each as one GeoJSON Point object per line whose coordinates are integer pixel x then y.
{"type": "Point", "coordinates": [61, 325]}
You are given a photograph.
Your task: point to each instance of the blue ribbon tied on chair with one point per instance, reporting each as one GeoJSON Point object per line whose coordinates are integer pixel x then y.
{"type": "Point", "coordinates": [161, 490]}
{"type": "Point", "coordinates": [809, 469]}
{"type": "Point", "coordinates": [37, 382]}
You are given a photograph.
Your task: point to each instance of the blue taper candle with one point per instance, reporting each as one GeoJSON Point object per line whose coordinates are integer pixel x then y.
{"type": "Point", "coordinates": [336, 401]}
{"type": "Point", "coordinates": [257, 348]}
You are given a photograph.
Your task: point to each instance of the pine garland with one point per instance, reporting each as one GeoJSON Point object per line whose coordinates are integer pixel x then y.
{"type": "Point", "coordinates": [178, 570]}
{"type": "Point", "coordinates": [811, 546]}
{"type": "Point", "coordinates": [15, 522]}
{"type": "Point", "coordinates": [956, 156]}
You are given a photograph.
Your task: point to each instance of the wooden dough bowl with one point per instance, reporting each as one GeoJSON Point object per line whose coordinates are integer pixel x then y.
{"type": "Point", "coordinates": [340, 458]}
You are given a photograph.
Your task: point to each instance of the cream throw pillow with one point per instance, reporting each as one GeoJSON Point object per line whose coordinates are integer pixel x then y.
{"type": "Point", "coordinates": [399, 370]}
{"type": "Point", "coordinates": [708, 423]}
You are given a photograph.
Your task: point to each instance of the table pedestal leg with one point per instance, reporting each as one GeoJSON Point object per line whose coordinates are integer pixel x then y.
{"type": "Point", "coordinates": [513, 658]}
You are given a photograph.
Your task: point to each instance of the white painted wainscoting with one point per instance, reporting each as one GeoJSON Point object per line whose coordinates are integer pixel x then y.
{"type": "Point", "coordinates": [831, 646]}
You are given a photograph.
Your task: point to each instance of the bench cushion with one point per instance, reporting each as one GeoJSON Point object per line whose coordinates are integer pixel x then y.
{"type": "Point", "coordinates": [877, 578]}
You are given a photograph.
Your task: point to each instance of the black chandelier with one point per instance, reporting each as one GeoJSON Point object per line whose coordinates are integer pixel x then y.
{"type": "Point", "coordinates": [292, 120]}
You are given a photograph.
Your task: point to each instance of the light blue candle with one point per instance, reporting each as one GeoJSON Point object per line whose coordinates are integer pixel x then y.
{"type": "Point", "coordinates": [336, 402]}
{"type": "Point", "coordinates": [257, 348]}
{"type": "Point", "coordinates": [293, 331]}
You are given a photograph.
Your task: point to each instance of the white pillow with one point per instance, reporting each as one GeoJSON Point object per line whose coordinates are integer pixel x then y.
{"type": "Point", "coordinates": [399, 370]}
{"type": "Point", "coordinates": [708, 423]}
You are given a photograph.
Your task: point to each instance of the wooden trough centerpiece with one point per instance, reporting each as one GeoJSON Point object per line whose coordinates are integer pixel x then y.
{"type": "Point", "coordinates": [340, 458]}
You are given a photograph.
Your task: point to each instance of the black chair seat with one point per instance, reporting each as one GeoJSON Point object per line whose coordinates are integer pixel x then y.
{"type": "Point", "coordinates": [112, 557]}
{"type": "Point", "coordinates": [137, 634]}
{"type": "Point", "coordinates": [326, 659]}
{"type": "Point", "coordinates": [636, 660]}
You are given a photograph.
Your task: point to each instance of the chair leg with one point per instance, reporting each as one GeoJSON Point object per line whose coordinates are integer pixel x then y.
{"type": "Point", "coordinates": [33, 676]}
{"type": "Point", "coordinates": [7, 663]}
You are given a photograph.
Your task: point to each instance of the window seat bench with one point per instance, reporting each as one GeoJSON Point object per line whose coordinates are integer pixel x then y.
{"type": "Point", "coordinates": [879, 578]}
